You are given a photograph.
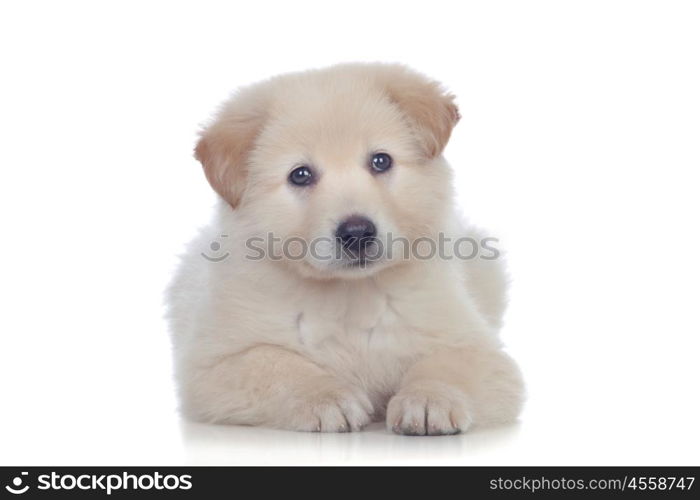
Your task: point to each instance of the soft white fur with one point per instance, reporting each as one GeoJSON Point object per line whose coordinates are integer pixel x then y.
{"type": "Point", "coordinates": [313, 346]}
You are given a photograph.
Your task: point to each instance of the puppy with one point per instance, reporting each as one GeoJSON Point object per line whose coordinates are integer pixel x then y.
{"type": "Point", "coordinates": [309, 321]}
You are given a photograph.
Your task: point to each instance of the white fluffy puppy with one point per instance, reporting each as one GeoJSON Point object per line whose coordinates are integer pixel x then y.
{"type": "Point", "coordinates": [307, 322]}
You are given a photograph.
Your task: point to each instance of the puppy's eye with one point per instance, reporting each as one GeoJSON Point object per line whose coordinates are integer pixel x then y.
{"type": "Point", "coordinates": [381, 162]}
{"type": "Point", "coordinates": [301, 176]}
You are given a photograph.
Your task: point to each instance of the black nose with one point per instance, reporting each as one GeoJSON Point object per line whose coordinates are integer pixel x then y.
{"type": "Point", "coordinates": [356, 232]}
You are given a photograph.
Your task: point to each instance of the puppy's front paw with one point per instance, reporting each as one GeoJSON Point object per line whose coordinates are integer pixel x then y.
{"type": "Point", "coordinates": [329, 406]}
{"type": "Point", "coordinates": [431, 409]}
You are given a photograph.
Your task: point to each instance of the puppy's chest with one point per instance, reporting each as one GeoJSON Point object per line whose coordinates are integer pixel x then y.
{"type": "Point", "coordinates": [363, 333]}
{"type": "Point", "coordinates": [344, 316]}
{"type": "Point", "coordinates": [363, 321]}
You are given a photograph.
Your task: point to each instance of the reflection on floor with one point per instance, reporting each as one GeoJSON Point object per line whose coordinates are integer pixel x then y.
{"type": "Point", "coordinates": [237, 445]}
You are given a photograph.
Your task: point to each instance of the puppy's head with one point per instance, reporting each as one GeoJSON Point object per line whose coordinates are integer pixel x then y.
{"type": "Point", "coordinates": [340, 167]}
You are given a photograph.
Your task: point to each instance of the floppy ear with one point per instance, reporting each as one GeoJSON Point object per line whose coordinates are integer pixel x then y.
{"type": "Point", "coordinates": [428, 106]}
{"type": "Point", "coordinates": [224, 146]}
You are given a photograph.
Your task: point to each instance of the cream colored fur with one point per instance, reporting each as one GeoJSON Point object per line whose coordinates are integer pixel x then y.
{"type": "Point", "coordinates": [310, 345]}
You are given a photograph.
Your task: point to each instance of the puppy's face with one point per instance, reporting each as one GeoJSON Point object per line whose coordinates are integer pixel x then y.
{"type": "Point", "coordinates": [338, 170]}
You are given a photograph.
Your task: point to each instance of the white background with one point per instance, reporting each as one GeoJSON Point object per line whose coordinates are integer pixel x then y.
{"type": "Point", "coordinates": [579, 147]}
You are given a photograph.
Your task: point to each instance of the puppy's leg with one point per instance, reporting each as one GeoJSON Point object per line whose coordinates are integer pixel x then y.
{"type": "Point", "coordinates": [447, 392]}
{"type": "Point", "coordinates": [271, 386]}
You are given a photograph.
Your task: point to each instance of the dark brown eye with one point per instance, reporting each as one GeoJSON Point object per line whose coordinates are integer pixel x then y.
{"type": "Point", "coordinates": [381, 162]}
{"type": "Point", "coordinates": [301, 176]}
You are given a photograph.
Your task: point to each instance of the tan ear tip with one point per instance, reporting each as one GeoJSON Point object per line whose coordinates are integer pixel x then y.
{"type": "Point", "coordinates": [457, 114]}
{"type": "Point", "coordinates": [200, 150]}
{"type": "Point", "coordinates": [454, 109]}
